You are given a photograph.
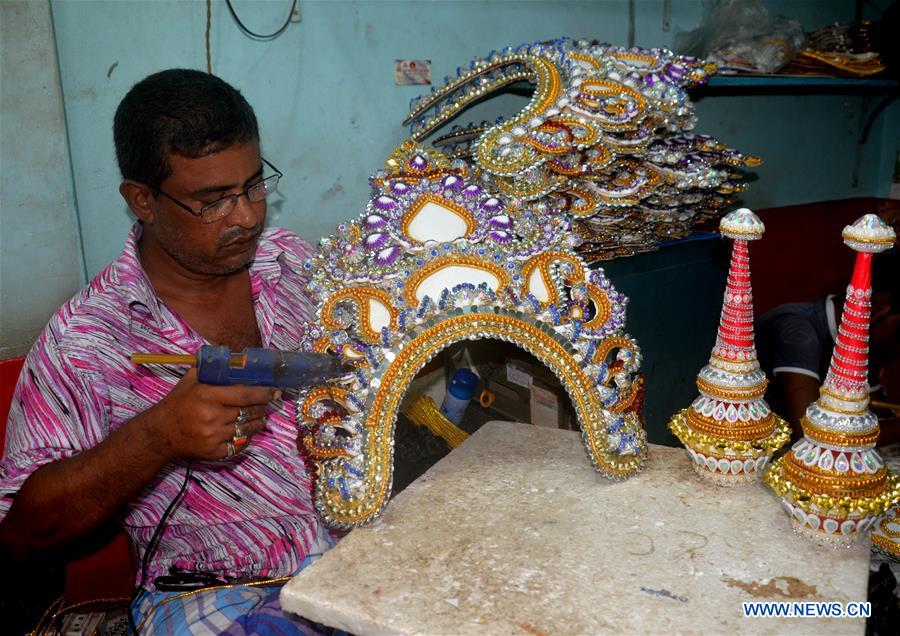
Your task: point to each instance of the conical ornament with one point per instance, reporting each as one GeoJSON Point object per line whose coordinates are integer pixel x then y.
{"type": "Point", "coordinates": [833, 483]}
{"type": "Point", "coordinates": [729, 431]}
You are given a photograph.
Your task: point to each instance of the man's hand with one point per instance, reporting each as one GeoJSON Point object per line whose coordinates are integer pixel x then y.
{"type": "Point", "coordinates": [196, 421]}
{"type": "Point", "coordinates": [66, 499]}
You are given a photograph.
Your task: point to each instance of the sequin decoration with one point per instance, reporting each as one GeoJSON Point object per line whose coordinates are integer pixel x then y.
{"type": "Point", "coordinates": [607, 136]}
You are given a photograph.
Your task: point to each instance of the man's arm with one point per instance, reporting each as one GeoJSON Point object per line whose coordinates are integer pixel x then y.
{"type": "Point", "coordinates": [69, 498]}
{"type": "Point", "coordinates": [798, 392]}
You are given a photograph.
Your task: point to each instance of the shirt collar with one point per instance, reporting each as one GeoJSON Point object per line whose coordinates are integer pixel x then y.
{"type": "Point", "coordinates": [132, 279]}
{"type": "Point", "coordinates": [265, 272]}
{"type": "Point", "coordinates": [267, 261]}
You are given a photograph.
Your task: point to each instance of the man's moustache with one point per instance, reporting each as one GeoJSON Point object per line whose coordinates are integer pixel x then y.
{"type": "Point", "coordinates": [238, 236]}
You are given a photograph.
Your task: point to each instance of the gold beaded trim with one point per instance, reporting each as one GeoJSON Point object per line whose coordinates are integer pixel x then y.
{"type": "Point", "coordinates": [886, 544]}
{"type": "Point", "coordinates": [459, 260]}
{"type": "Point", "coordinates": [548, 90]}
{"type": "Point", "coordinates": [361, 296]}
{"type": "Point", "coordinates": [852, 236]}
{"type": "Point", "coordinates": [831, 472]}
{"type": "Point", "coordinates": [597, 88]}
{"type": "Point", "coordinates": [607, 345]}
{"type": "Point", "coordinates": [840, 485]}
{"type": "Point", "coordinates": [571, 125]}
{"type": "Point", "coordinates": [583, 209]}
{"type": "Point", "coordinates": [883, 525]}
{"type": "Point", "coordinates": [836, 438]}
{"type": "Point", "coordinates": [438, 165]}
{"type": "Point", "coordinates": [602, 307]}
{"type": "Point", "coordinates": [542, 263]}
{"type": "Point", "coordinates": [569, 171]}
{"type": "Point", "coordinates": [732, 394]}
{"type": "Point", "coordinates": [699, 441]}
{"type": "Point", "coordinates": [421, 202]}
{"type": "Point", "coordinates": [528, 189]}
{"type": "Point", "coordinates": [629, 56]}
{"type": "Point", "coordinates": [835, 507]}
{"type": "Point", "coordinates": [320, 453]}
{"type": "Point", "coordinates": [625, 403]}
{"type": "Point", "coordinates": [335, 394]}
{"type": "Point", "coordinates": [583, 57]}
{"type": "Point", "coordinates": [351, 355]}
{"type": "Point", "coordinates": [732, 430]}
{"type": "Point", "coordinates": [824, 391]}
{"type": "Point", "coordinates": [416, 353]}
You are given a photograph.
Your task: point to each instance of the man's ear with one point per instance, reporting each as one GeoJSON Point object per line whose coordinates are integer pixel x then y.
{"type": "Point", "coordinates": [140, 199]}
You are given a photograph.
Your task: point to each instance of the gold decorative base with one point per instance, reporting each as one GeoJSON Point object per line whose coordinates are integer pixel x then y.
{"type": "Point", "coordinates": [726, 462]}
{"type": "Point", "coordinates": [826, 520]}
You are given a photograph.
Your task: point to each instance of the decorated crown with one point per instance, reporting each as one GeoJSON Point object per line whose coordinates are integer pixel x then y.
{"type": "Point", "coordinates": [487, 239]}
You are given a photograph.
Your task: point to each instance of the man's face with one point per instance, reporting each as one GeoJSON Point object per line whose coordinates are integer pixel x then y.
{"type": "Point", "coordinates": [224, 246]}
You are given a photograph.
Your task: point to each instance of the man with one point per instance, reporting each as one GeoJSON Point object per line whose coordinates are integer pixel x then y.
{"type": "Point", "coordinates": [93, 437]}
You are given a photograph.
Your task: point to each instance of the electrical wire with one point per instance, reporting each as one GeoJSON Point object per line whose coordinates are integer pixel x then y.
{"type": "Point", "coordinates": [260, 36]}
{"type": "Point", "coordinates": [154, 540]}
{"type": "Point", "coordinates": [208, 28]}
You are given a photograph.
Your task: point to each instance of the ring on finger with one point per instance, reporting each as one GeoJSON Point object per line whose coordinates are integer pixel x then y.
{"type": "Point", "coordinates": [240, 439]}
{"type": "Point", "coordinates": [229, 445]}
{"type": "Point", "coordinates": [242, 417]}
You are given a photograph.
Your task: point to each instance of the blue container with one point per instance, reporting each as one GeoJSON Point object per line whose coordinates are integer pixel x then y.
{"type": "Point", "coordinates": [459, 394]}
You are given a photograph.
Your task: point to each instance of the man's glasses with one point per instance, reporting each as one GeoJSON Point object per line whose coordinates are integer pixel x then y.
{"type": "Point", "coordinates": [221, 208]}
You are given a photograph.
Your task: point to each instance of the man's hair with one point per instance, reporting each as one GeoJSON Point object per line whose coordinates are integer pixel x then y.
{"type": "Point", "coordinates": [178, 112]}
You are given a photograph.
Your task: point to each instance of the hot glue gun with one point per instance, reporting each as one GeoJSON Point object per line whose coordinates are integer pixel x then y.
{"type": "Point", "coordinates": [254, 366]}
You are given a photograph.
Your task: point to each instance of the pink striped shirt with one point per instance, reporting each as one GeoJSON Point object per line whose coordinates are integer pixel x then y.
{"type": "Point", "coordinates": [250, 516]}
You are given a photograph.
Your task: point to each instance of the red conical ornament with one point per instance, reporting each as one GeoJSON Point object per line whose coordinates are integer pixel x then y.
{"type": "Point", "coordinates": [833, 483]}
{"type": "Point", "coordinates": [729, 431]}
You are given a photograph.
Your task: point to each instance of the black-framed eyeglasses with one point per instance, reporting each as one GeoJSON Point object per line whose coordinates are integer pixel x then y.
{"type": "Point", "coordinates": [221, 208]}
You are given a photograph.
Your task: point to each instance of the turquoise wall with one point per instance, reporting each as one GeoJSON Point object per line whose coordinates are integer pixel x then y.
{"type": "Point", "coordinates": [330, 113]}
{"type": "Point", "coordinates": [40, 263]}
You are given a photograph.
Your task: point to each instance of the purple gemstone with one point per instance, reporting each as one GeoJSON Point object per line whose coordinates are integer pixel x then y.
{"type": "Point", "coordinates": [385, 202]}
{"type": "Point", "coordinates": [418, 163]}
{"type": "Point", "coordinates": [651, 79]}
{"type": "Point", "coordinates": [388, 255]}
{"type": "Point", "coordinates": [376, 240]}
{"type": "Point", "coordinates": [491, 204]}
{"type": "Point", "coordinates": [675, 71]}
{"type": "Point", "coordinates": [399, 187]}
{"type": "Point", "coordinates": [501, 221]}
{"type": "Point", "coordinates": [500, 236]}
{"type": "Point", "coordinates": [452, 182]}
{"type": "Point", "coordinates": [374, 221]}
{"type": "Point", "coordinates": [472, 191]}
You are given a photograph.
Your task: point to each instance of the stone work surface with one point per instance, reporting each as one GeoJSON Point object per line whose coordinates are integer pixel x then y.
{"type": "Point", "coordinates": [514, 533]}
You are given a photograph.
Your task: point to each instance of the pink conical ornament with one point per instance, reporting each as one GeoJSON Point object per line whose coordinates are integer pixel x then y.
{"type": "Point", "coordinates": [729, 431]}
{"type": "Point", "coordinates": [833, 483]}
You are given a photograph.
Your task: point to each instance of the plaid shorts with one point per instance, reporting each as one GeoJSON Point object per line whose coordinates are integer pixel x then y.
{"type": "Point", "coordinates": [234, 610]}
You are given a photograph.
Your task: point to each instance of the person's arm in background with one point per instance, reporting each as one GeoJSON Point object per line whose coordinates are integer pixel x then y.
{"type": "Point", "coordinates": [790, 349]}
{"type": "Point", "coordinates": [798, 391]}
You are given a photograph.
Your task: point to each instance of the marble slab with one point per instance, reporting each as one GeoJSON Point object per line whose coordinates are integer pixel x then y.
{"type": "Point", "coordinates": [515, 533]}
